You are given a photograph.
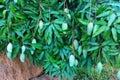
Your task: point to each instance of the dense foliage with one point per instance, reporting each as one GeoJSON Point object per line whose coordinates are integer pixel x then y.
{"type": "Point", "coordinates": [61, 35]}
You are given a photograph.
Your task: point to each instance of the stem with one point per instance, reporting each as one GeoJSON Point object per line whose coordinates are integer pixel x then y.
{"type": "Point", "coordinates": [64, 4]}
{"type": "Point", "coordinates": [39, 18]}
{"type": "Point", "coordinates": [90, 10]}
{"type": "Point", "coordinates": [40, 14]}
{"type": "Point", "coordinates": [49, 14]}
{"type": "Point", "coordinates": [73, 37]}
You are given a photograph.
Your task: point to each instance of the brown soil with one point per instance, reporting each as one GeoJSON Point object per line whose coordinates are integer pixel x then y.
{"type": "Point", "coordinates": [44, 77]}
{"type": "Point", "coordinates": [15, 70]}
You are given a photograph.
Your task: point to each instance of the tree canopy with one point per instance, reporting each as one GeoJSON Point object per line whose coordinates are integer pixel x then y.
{"type": "Point", "coordinates": [61, 35]}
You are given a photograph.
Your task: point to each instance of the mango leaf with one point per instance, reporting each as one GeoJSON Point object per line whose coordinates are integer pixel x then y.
{"type": "Point", "coordinates": [89, 65]}
{"type": "Point", "coordinates": [118, 61]}
{"type": "Point", "coordinates": [41, 55]}
{"type": "Point", "coordinates": [4, 13]}
{"type": "Point", "coordinates": [19, 33]}
{"type": "Point", "coordinates": [37, 46]}
{"type": "Point", "coordinates": [48, 34]}
{"type": "Point", "coordinates": [21, 2]}
{"type": "Point", "coordinates": [103, 14]}
{"type": "Point", "coordinates": [15, 52]}
{"type": "Point", "coordinates": [95, 28]}
{"type": "Point", "coordinates": [117, 20]}
{"type": "Point", "coordinates": [111, 19]}
{"type": "Point", "coordinates": [100, 22]}
{"type": "Point", "coordinates": [99, 31]}
{"type": "Point", "coordinates": [99, 67]}
{"type": "Point", "coordinates": [100, 9]}
{"type": "Point", "coordinates": [1, 6]}
{"type": "Point", "coordinates": [2, 22]}
{"type": "Point", "coordinates": [58, 21]}
{"type": "Point", "coordinates": [19, 15]}
{"type": "Point", "coordinates": [107, 34]}
{"type": "Point", "coordinates": [114, 33]}
{"type": "Point", "coordinates": [12, 8]}
{"type": "Point", "coordinates": [93, 48]}
{"type": "Point", "coordinates": [83, 21]}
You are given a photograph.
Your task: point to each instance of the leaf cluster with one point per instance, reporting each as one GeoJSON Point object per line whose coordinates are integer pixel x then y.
{"type": "Point", "coordinates": [87, 29]}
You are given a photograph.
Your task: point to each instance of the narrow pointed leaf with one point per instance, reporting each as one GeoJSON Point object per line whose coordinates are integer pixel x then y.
{"type": "Point", "coordinates": [114, 34]}
{"type": "Point", "coordinates": [112, 19]}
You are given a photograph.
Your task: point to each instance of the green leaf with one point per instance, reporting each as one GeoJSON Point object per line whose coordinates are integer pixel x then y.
{"type": "Point", "coordinates": [107, 34]}
{"type": "Point", "coordinates": [15, 52]}
{"type": "Point", "coordinates": [103, 14]}
{"type": "Point", "coordinates": [111, 19]}
{"type": "Point", "coordinates": [18, 15]}
{"type": "Point", "coordinates": [93, 48]}
{"type": "Point", "coordinates": [117, 20]}
{"type": "Point", "coordinates": [83, 21]}
{"type": "Point", "coordinates": [2, 22]}
{"type": "Point", "coordinates": [4, 13]}
{"type": "Point", "coordinates": [12, 8]}
{"type": "Point", "coordinates": [100, 9]}
{"type": "Point", "coordinates": [21, 2]}
{"type": "Point", "coordinates": [99, 67]}
{"type": "Point", "coordinates": [58, 21]}
{"type": "Point", "coordinates": [37, 46]}
{"type": "Point", "coordinates": [95, 28]}
{"type": "Point", "coordinates": [114, 33]}
{"type": "Point", "coordinates": [1, 6]}
{"type": "Point", "coordinates": [48, 34]}
{"type": "Point", "coordinates": [41, 55]}
{"type": "Point", "coordinates": [100, 22]}
{"type": "Point", "coordinates": [19, 33]}
{"type": "Point", "coordinates": [99, 31]}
